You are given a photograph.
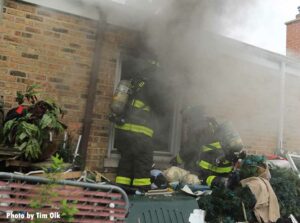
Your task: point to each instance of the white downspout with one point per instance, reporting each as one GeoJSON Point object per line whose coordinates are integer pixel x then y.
{"type": "Point", "coordinates": [281, 108]}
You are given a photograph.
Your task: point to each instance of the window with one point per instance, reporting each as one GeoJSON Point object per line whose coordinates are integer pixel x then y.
{"type": "Point", "coordinates": [294, 160]}
{"type": "Point", "coordinates": [166, 109]}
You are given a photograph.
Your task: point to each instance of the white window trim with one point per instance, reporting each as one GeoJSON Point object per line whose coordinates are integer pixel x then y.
{"type": "Point", "coordinates": [291, 161]}
{"type": "Point", "coordinates": [112, 129]}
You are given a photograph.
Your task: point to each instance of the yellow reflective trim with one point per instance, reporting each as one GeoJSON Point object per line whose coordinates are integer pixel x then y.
{"type": "Point", "coordinates": [123, 180]}
{"type": "Point", "coordinates": [209, 180]}
{"type": "Point", "coordinates": [139, 104]}
{"type": "Point", "coordinates": [206, 149]}
{"type": "Point", "coordinates": [178, 159]}
{"type": "Point", "coordinates": [208, 166]}
{"type": "Point", "coordinates": [136, 128]}
{"type": "Point", "coordinates": [141, 84]}
{"type": "Point", "coordinates": [226, 162]}
{"type": "Point", "coordinates": [141, 182]}
{"type": "Point", "coordinates": [216, 145]}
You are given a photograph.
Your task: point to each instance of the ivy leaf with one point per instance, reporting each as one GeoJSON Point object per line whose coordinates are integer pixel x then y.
{"type": "Point", "coordinates": [45, 121]}
{"type": "Point", "coordinates": [8, 126]}
{"type": "Point", "coordinates": [20, 98]}
{"type": "Point", "coordinates": [22, 146]}
{"type": "Point", "coordinates": [22, 136]}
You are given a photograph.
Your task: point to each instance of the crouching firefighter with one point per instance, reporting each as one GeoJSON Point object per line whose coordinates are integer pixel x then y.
{"type": "Point", "coordinates": [217, 160]}
{"type": "Point", "coordinates": [210, 149]}
{"type": "Point", "coordinates": [131, 113]}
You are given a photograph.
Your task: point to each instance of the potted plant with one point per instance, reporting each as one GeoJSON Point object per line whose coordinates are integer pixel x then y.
{"type": "Point", "coordinates": [32, 126]}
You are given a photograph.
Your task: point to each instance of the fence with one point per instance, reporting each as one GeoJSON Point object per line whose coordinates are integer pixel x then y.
{"type": "Point", "coordinates": [27, 197]}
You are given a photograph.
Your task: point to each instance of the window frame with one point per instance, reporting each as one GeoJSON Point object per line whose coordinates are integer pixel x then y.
{"type": "Point", "coordinates": [290, 156]}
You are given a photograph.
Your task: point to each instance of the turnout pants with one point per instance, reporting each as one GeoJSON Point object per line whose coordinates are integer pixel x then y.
{"type": "Point", "coordinates": [136, 159]}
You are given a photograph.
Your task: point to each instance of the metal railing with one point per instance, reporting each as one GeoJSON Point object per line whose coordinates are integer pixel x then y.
{"type": "Point", "coordinates": [94, 203]}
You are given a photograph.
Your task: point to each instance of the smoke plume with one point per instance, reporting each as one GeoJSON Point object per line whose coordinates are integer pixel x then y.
{"type": "Point", "coordinates": [210, 71]}
{"type": "Point", "coordinates": [207, 69]}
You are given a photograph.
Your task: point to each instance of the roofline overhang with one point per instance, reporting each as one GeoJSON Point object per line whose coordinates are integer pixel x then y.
{"type": "Point", "coordinates": [122, 15]}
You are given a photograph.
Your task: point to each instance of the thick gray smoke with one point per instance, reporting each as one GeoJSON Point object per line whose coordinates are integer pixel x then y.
{"type": "Point", "coordinates": [185, 37]}
{"type": "Point", "coordinates": [181, 32]}
{"type": "Point", "coordinates": [209, 71]}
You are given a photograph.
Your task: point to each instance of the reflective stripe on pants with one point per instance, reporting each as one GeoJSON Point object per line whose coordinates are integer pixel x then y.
{"type": "Point", "coordinates": [141, 182]}
{"type": "Point", "coordinates": [123, 180]}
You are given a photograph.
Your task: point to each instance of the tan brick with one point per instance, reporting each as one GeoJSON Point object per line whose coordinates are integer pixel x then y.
{"type": "Point", "coordinates": [11, 4]}
{"type": "Point", "coordinates": [3, 71]}
{"type": "Point", "coordinates": [32, 30]}
{"type": "Point", "coordinates": [12, 39]}
{"type": "Point", "coordinates": [24, 21]}
{"type": "Point", "coordinates": [44, 33]}
{"type": "Point", "coordinates": [15, 12]}
{"type": "Point", "coordinates": [10, 18]}
{"type": "Point", "coordinates": [37, 77]}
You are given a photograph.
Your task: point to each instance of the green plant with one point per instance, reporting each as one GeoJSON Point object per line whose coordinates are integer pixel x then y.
{"type": "Point", "coordinates": [30, 94]}
{"type": "Point", "coordinates": [36, 123]}
{"type": "Point", "coordinates": [286, 185]}
{"type": "Point", "coordinates": [57, 164]}
{"type": "Point", "coordinates": [225, 205]}
{"type": "Point", "coordinates": [67, 211]}
{"type": "Point", "coordinates": [48, 192]}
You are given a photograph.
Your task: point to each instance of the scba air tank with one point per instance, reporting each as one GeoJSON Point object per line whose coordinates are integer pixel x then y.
{"type": "Point", "coordinates": [120, 97]}
{"type": "Point", "coordinates": [230, 137]}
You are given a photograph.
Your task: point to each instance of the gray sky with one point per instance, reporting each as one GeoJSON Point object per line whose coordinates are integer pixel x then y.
{"type": "Point", "coordinates": [264, 24]}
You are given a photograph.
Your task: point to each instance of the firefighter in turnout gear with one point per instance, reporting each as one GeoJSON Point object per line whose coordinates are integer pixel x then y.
{"type": "Point", "coordinates": [214, 166]}
{"type": "Point", "coordinates": [134, 134]}
{"type": "Point", "coordinates": [209, 149]}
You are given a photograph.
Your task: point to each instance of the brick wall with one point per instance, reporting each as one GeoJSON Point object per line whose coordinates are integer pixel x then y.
{"type": "Point", "coordinates": [292, 118]}
{"type": "Point", "coordinates": [293, 36]}
{"type": "Point", "coordinates": [248, 95]}
{"type": "Point", "coordinates": [55, 50]}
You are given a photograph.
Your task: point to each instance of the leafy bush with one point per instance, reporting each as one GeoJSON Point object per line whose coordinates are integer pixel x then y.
{"type": "Point", "coordinates": [28, 127]}
{"type": "Point", "coordinates": [286, 185]}
{"type": "Point", "coordinates": [225, 205]}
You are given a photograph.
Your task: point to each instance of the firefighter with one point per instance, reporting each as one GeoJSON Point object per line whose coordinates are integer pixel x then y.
{"type": "Point", "coordinates": [214, 166]}
{"type": "Point", "coordinates": [134, 133]}
{"type": "Point", "coordinates": [197, 130]}
{"type": "Point", "coordinates": [210, 150]}
{"type": "Point", "coordinates": [219, 157]}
